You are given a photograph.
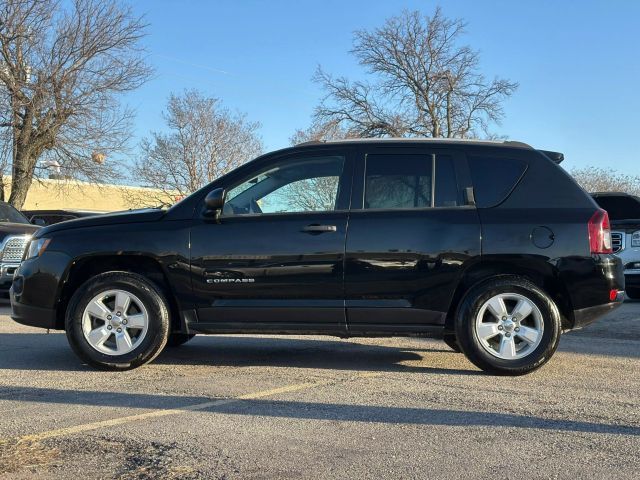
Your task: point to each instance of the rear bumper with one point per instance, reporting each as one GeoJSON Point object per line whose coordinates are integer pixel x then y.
{"type": "Point", "coordinates": [589, 315]}
{"type": "Point", "coordinates": [32, 316]}
{"type": "Point", "coordinates": [595, 286]}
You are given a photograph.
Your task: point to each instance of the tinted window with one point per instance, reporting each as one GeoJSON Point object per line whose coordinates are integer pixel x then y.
{"type": "Point", "coordinates": [620, 207]}
{"type": "Point", "coordinates": [405, 181]}
{"type": "Point", "coordinates": [10, 214]}
{"type": "Point", "coordinates": [494, 178]}
{"type": "Point", "coordinates": [398, 181]}
{"type": "Point", "coordinates": [446, 183]}
{"type": "Point", "coordinates": [41, 220]}
{"type": "Point", "coordinates": [299, 185]}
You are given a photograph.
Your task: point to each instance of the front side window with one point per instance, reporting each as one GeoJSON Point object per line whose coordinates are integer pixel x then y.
{"type": "Point", "coordinates": [294, 185]}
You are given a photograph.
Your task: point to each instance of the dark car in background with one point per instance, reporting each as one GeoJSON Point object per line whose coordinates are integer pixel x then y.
{"type": "Point", "coordinates": [490, 245]}
{"type": "Point", "coordinates": [624, 214]}
{"type": "Point", "coordinates": [50, 217]}
{"type": "Point", "coordinates": [15, 233]}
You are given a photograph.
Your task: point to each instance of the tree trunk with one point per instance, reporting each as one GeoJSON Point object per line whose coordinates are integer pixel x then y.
{"type": "Point", "coordinates": [2, 198]}
{"type": "Point", "coordinates": [22, 177]}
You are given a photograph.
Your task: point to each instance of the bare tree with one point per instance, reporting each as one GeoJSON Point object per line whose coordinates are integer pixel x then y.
{"type": "Point", "coordinates": [423, 83]}
{"type": "Point", "coordinates": [62, 68]}
{"type": "Point", "coordinates": [598, 179]}
{"type": "Point", "coordinates": [316, 194]}
{"type": "Point", "coordinates": [205, 141]}
{"type": "Point", "coordinates": [6, 151]}
{"type": "Point", "coordinates": [319, 132]}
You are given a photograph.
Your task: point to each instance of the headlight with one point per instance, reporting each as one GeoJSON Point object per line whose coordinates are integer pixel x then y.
{"type": "Point", "coordinates": [37, 247]}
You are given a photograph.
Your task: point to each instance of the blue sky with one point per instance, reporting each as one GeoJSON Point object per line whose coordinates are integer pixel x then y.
{"type": "Point", "coordinates": [577, 62]}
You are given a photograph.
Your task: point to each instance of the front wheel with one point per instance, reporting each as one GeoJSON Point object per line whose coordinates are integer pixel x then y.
{"type": "Point", "coordinates": [117, 321]}
{"type": "Point", "coordinates": [508, 326]}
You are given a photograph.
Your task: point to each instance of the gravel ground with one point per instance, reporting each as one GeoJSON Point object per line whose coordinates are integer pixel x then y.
{"type": "Point", "coordinates": [317, 407]}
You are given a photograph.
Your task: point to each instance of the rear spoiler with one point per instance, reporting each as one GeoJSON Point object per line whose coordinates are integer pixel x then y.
{"type": "Point", "coordinates": [555, 157]}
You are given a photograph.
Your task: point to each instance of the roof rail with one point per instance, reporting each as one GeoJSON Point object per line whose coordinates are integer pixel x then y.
{"type": "Point", "coordinates": [511, 143]}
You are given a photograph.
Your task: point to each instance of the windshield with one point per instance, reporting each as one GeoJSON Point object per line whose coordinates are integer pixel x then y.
{"type": "Point", "coordinates": [10, 214]}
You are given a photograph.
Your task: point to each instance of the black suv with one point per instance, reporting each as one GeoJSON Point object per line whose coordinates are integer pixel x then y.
{"type": "Point", "coordinates": [489, 244]}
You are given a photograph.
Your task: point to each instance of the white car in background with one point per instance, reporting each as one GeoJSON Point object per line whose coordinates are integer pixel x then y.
{"type": "Point", "coordinates": [624, 215]}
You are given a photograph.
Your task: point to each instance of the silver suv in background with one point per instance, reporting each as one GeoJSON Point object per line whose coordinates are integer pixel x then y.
{"type": "Point", "coordinates": [624, 215]}
{"type": "Point", "coordinates": [15, 233]}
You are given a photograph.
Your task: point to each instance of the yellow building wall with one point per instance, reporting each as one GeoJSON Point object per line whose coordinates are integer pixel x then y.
{"type": "Point", "coordinates": [70, 194]}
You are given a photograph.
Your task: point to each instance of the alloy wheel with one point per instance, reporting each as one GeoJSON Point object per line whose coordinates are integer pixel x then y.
{"type": "Point", "coordinates": [509, 326]}
{"type": "Point", "coordinates": [115, 322]}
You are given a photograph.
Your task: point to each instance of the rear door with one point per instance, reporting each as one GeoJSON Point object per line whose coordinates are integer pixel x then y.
{"type": "Point", "coordinates": [410, 232]}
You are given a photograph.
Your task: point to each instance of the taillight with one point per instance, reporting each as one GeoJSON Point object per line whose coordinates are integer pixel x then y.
{"type": "Point", "coordinates": [600, 233]}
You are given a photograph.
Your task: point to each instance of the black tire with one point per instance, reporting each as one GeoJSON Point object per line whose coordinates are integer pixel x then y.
{"type": "Point", "coordinates": [177, 339]}
{"type": "Point", "coordinates": [470, 308]}
{"type": "Point", "coordinates": [158, 320]}
{"type": "Point", "coordinates": [452, 342]}
{"type": "Point", "coordinates": [633, 293]}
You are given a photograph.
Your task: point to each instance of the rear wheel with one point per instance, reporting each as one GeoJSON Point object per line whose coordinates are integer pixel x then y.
{"type": "Point", "coordinates": [507, 325]}
{"type": "Point", "coordinates": [117, 321]}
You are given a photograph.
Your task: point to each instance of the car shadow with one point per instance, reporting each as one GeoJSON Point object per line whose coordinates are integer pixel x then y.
{"type": "Point", "coordinates": [35, 351]}
{"type": "Point", "coordinates": [245, 351]}
{"type": "Point", "coordinates": [316, 411]}
{"type": "Point", "coordinates": [613, 336]}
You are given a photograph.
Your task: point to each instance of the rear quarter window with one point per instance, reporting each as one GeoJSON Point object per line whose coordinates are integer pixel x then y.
{"type": "Point", "coordinates": [494, 178]}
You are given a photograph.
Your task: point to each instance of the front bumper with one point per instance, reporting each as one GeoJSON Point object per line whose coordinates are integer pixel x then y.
{"type": "Point", "coordinates": [31, 315]}
{"type": "Point", "coordinates": [36, 290]}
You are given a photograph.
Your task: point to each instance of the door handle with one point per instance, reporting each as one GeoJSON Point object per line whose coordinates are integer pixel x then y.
{"type": "Point", "coordinates": [319, 228]}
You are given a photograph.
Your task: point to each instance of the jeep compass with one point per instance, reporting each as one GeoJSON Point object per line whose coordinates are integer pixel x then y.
{"type": "Point", "coordinates": [489, 245]}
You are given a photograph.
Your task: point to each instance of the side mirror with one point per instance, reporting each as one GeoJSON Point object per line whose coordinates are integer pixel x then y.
{"type": "Point", "coordinates": [213, 203]}
{"type": "Point", "coordinates": [40, 222]}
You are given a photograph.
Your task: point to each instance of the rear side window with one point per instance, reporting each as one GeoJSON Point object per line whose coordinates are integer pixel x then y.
{"type": "Point", "coordinates": [494, 178]}
{"type": "Point", "coordinates": [398, 181]}
{"type": "Point", "coordinates": [407, 181]}
{"type": "Point", "coordinates": [446, 194]}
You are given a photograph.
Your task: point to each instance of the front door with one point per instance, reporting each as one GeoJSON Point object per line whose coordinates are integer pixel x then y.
{"type": "Point", "coordinates": [410, 234]}
{"type": "Point", "coordinates": [274, 260]}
